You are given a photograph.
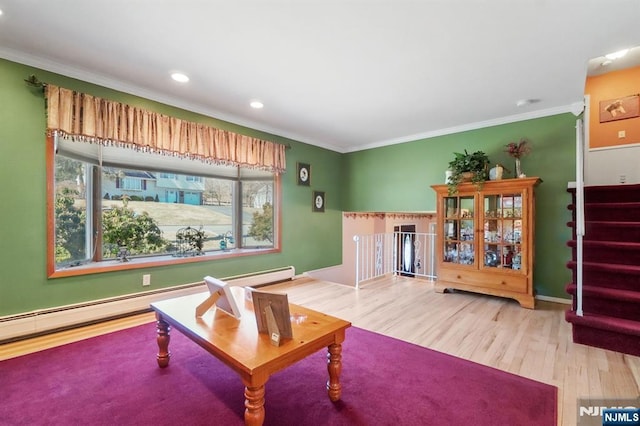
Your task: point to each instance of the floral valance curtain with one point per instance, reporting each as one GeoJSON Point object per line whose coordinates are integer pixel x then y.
{"type": "Point", "coordinates": [84, 117]}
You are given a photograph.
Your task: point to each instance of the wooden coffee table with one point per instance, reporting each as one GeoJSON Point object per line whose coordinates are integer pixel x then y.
{"type": "Point", "coordinates": [238, 344]}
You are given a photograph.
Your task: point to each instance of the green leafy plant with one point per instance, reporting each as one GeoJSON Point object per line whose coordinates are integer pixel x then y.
{"type": "Point", "coordinates": [70, 227]}
{"type": "Point", "coordinates": [477, 164]}
{"type": "Point", "coordinates": [262, 226]}
{"type": "Point", "coordinates": [123, 227]}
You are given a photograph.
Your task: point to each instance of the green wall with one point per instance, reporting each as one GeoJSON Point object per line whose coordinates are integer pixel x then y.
{"type": "Point", "coordinates": [309, 240]}
{"type": "Point", "coordinates": [392, 178]}
{"type": "Point", "coordinates": [398, 178]}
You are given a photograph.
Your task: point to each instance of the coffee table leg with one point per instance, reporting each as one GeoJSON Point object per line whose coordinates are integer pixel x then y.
{"type": "Point", "coordinates": [334, 365]}
{"type": "Point", "coordinates": [163, 341]}
{"type": "Point", "coordinates": [254, 405]}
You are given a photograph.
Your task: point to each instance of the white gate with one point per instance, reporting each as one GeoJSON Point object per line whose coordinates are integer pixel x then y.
{"type": "Point", "coordinates": [398, 253]}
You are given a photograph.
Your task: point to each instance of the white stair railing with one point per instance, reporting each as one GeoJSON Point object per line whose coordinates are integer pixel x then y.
{"type": "Point", "coordinates": [398, 253]}
{"type": "Point", "coordinates": [374, 256]}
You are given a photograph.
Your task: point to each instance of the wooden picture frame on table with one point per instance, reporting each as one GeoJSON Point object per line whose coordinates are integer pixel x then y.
{"type": "Point", "coordinates": [220, 296]}
{"type": "Point", "coordinates": [272, 315]}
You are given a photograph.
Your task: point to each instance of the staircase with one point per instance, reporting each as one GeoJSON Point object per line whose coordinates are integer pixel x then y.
{"type": "Point", "coordinates": [611, 269]}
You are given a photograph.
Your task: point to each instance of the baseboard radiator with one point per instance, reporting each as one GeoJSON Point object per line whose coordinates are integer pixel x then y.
{"type": "Point", "coordinates": [15, 327]}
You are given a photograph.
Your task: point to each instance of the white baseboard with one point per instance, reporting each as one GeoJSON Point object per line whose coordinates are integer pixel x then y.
{"type": "Point", "coordinates": [266, 277]}
{"type": "Point", "coordinates": [41, 321]}
{"type": "Point", "coordinates": [554, 299]}
{"type": "Point", "coordinates": [45, 320]}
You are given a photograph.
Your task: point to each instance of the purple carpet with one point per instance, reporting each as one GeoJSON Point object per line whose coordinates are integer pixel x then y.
{"type": "Point", "coordinates": [114, 379]}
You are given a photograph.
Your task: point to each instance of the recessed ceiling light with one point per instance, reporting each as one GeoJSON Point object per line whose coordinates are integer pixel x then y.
{"type": "Point", "coordinates": [616, 55]}
{"type": "Point", "coordinates": [256, 104]}
{"type": "Point", "coordinates": [179, 77]}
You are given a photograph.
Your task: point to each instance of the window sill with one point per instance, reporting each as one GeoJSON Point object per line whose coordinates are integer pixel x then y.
{"type": "Point", "coordinates": [149, 262]}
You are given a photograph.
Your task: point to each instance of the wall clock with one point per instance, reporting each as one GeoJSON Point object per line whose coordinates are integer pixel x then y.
{"type": "Point", "coordinates": [304, 174]}
{"type": "Point", "coordinates": [318, 201]}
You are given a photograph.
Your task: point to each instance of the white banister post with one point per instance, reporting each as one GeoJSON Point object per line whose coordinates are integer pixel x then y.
{"type": "Point", "coordinates": [579, 225]}
{"type": "Point", "coordinates": [356, 239]}
{"type": "Point", "coordinates": [432, 238]}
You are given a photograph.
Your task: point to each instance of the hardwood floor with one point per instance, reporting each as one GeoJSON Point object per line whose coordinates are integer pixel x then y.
{"type": "Point", "coordinates": [35, 344]}
{"type": "Point", "coordinates": [492, 331]}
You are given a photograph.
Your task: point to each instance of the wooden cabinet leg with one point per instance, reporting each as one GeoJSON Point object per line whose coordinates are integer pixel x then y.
{"type": "Point", "coordinates": [334, 365]}
{"type": "Point", "coordinates": [163, 339]}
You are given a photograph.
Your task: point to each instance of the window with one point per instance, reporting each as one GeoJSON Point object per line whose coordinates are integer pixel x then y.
{"type": "Point", "coordinates": [130, 183]}
{"type": "Point", "coordinates": [117, 208]}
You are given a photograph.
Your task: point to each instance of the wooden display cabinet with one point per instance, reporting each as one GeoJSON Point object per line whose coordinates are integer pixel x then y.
{"type": "Point", "coordinates": [485, 238]}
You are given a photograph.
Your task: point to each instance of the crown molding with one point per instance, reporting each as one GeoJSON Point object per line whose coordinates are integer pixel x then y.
{"type": "Point", "coordinates": [114, 84]}
{"type": "Point", "coordinates": [471, 126]}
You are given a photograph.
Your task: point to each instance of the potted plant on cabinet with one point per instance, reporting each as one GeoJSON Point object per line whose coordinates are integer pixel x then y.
{"type": "Point", "coordinates": [467, 167]}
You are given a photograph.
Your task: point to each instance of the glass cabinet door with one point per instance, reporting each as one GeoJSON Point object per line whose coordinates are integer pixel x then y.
{"type": "Point", "coordinates": [459, 236]}
{"type": "Point", "coordinates": [502, 225]}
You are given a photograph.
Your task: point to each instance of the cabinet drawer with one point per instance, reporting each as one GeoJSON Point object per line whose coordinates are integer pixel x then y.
{"type": "Point", "coordinates": [507, 282]}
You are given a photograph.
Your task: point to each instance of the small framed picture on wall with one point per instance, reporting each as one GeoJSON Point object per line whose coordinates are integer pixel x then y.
{"type": "Point", "coordinates": [318, 201]}
{"type": "Point", "coordinates": [620, 108]}
{"type": "Point", "coordinates": [304, 174]}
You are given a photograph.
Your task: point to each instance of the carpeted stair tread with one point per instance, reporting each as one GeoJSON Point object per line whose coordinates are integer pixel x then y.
{"type": "Point", "coordinates": [613, 302]}
{"type": "Point", "coordinates": [629, 204]}
{"type": "Point", "coordinates": [599, 230]}
{"type": "Point", "coordinates": [605, 293]}
{"type": "Point", "coordinates": [625, 269]}
{"type": "Point", "coordinates": [604, 323]}
{"type": "Point", "coordinates": [587, 223]}
{"type": "Point", "coordinates": [607, 244]}
{"type": "Point", "coordinates": [601, 332]}
{"type": "Point", "coordinates": [615, 252]}
{"type": "Point", "coordinates": [609, 212]}
{"type": "Point", "coordinates": [633, 224]}
{"type": "Point", "coordinates": [622, 205]}
{"type": "Point", "coordinates": [610, 193]}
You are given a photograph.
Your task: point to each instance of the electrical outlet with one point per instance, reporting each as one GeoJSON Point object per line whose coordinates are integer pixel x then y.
{"type": "Point", "coordinates": [146, 279]}
{"type": "Point", "coordinates": [623, 178]}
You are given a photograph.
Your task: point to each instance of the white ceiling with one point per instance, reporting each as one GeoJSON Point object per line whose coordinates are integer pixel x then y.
{"type": "Point", "coordinates": [341, 74]}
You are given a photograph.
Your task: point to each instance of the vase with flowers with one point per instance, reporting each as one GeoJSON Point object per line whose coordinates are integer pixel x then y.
{"type": "Point", "coordinates": [517, 150]}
